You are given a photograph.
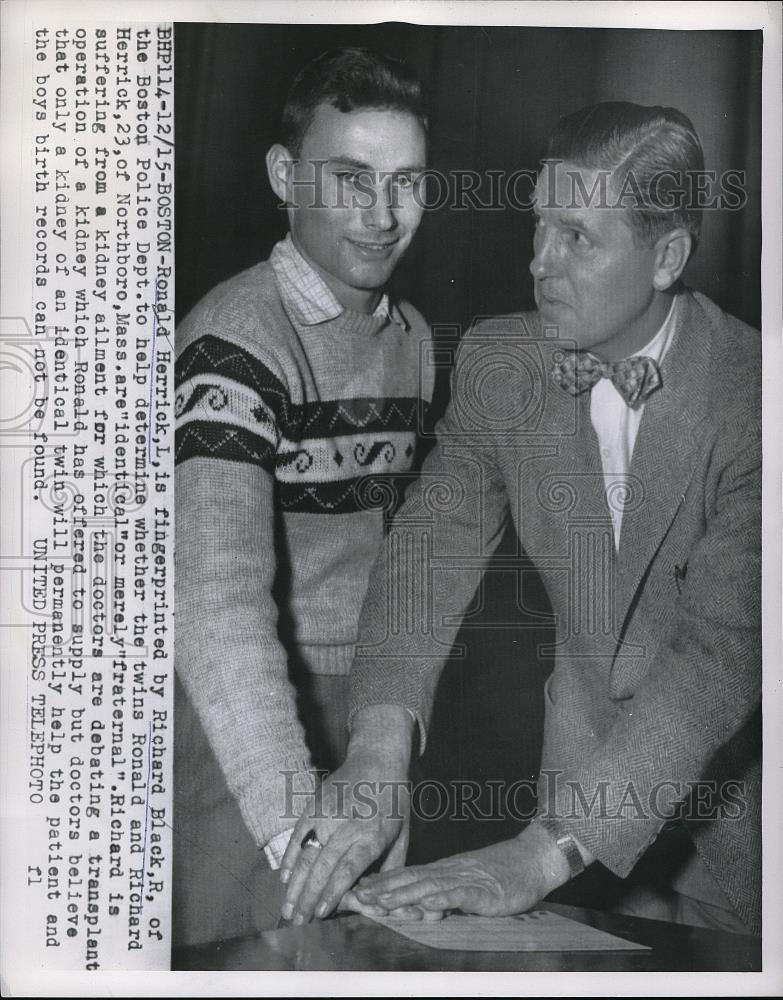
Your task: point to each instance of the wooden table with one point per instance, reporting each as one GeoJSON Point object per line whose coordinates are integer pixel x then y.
{"type": "Point", "coordinates": [353, 943]}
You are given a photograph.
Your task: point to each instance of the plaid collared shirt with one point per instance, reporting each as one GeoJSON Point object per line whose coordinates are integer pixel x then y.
{"type": "Point", "coordinates": [276, 848]}
{"type": "Point", "coordinates": [307, 293]}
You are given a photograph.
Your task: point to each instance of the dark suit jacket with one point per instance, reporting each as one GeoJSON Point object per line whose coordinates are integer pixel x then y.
{"type": "Point", "coordinates": [654, 702]}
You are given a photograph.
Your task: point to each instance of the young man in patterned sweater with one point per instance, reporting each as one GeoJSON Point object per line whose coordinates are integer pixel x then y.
{"type": "Point", "coordinates": [299, 384]}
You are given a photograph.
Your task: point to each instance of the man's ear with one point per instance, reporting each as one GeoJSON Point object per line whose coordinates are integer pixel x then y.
{"type": "Point", "coordinates": [278, 167]}
{"type": "Point", "coordinates": [671, 255]}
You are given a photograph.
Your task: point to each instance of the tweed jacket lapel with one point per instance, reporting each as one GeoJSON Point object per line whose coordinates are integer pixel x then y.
{"type": "Point", "coordinates": [662, 465]}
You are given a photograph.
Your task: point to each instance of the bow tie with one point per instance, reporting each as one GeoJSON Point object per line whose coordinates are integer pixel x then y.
{"type": "Point", "coordinates": [634, 378]}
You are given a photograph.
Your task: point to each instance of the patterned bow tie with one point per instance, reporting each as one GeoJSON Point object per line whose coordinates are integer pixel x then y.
{"type": "Point", "coordinates": [634, 378]}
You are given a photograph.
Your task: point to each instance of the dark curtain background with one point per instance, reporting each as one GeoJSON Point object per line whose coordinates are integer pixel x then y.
{"type": "Point", "coordinates": [494, 95]}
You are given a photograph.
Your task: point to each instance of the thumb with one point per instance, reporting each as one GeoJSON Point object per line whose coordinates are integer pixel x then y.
{"type": "Point", "coordinates": [399, 850]}
{"type": "Point", "coordinates": [349, 903]}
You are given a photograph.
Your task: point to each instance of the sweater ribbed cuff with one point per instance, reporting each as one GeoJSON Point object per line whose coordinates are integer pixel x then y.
{"type": "Point", "coordinates": [334, 661]}
{"type": "Point", "coordinates": [275, 800]}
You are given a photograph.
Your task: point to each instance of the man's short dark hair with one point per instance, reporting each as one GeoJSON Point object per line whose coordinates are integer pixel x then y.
{"type": "Point", "coordinates": [349, 79]}
{"type": "Point", "coordinates": [654, 154]}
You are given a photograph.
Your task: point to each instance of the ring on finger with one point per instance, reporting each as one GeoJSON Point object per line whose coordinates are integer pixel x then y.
{"type": "Point", "coordinates": [311, 840]}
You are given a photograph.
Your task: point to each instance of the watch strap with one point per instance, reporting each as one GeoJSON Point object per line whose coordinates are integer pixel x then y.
{"type": "Point", "coordinates": [566, 845]}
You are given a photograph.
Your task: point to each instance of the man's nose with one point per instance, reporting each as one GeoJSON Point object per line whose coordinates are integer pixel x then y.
{"type": "Point", "coordinates": [380, 214]}
{"type": "Point", "coordinates": [545, 253]}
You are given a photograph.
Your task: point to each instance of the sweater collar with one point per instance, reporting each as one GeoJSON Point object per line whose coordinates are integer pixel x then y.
{"type": "Point", "coordinates": [309, 298]}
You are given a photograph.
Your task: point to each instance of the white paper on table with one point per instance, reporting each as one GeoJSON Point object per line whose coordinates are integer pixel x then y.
{"type": "Point", "coordinates": [539, 930]}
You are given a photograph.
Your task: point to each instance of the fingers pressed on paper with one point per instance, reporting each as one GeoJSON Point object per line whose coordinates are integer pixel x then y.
{"type": "Point", "coordinates": [406, 913]}
{"type": "Point", "coordinates": [356, 859]}
{"type": "Point", "coordinates": [299, 879]}
{"type": "Point", "coordinates": [468, 898]}
{"type": "Point", "coordinates": [349, 903]}
{"type": "Point", "coordinates": [440, 901]}
{"type": "Point", "coordinates": [325, 861]}
{"type": "Point", "coordinates": [404, 895]}
{"type": "Point", "coordinates": [416, 913]}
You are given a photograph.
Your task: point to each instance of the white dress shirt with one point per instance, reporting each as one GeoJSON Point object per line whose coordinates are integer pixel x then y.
{"type": "Point", "coordinates": [616, 424]}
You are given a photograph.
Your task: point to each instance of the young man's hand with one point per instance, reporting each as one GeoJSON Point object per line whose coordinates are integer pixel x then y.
{"type": "Point", "coordinates": [359, 814]}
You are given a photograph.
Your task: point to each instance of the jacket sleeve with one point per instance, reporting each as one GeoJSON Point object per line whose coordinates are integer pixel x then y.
{"type": "Point", "coordinates": [228, 655]}
{"type": "Point", "coordinates": [426, 573]}
{"type": "Point", "coordinates": [703, 687]}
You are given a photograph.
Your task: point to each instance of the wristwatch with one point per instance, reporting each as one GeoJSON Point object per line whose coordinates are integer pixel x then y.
{"type": "Point", "coordinates": [566, 844]}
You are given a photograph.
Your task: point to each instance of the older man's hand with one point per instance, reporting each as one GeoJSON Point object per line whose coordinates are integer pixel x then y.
{"type": "Point", "coordinates": [359, 814]}
{"type": "Point", "coordinates": [506, 878]}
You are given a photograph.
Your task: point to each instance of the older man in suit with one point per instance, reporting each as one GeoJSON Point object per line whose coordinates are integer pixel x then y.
{"type": "Point", "coordinates": [619, 427]}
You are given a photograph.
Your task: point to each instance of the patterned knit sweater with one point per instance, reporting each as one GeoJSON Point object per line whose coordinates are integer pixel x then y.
{"type": "Point", "coordinates": [294, 415]}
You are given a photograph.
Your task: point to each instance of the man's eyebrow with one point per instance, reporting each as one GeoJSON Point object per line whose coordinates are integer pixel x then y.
{"type": "Point", "coordinates": [569, 219]}
{"type": "Point", "coordinates": [575, 222]}
{"type": "Point", "coordinates": [350, 161]}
